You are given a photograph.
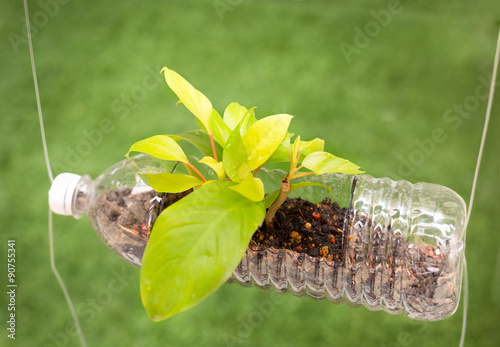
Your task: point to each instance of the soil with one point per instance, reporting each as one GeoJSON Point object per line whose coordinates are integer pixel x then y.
{"type": "Point", "coordinates": [304, 227]}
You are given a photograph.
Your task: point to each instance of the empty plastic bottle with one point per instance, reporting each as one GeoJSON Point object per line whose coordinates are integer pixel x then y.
{"type": "Point", "coordinates": [402, 250]}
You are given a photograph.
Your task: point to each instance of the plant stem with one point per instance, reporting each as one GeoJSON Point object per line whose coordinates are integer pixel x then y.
{"type": "Point", "coordinates": [302, 174]}
{"type": "Point", "coordinates": [271, 212]}
{"type": "Point", "coordinates": [213, 147]}
{"type": "Point", "coordinates": [197, 172]}
{"type": "Point", "coordinates": [256, 171]}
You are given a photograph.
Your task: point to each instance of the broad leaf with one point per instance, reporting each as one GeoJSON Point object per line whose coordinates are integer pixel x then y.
{"type": "Point", "coordinates": [193, 99]}
{"type": "Point", "coordinates": [195, 245]}
{"type": "Point", "coordinates": [160, 146]}
{"type": "Point", "coordinates": [248, 120]}
{"type": "Point", "coordinates": [234, 155]}
{"type": "Point", "coordinates": [264, 137]}
{"type": "Point", "coordinates": [214, 165]}
{"type": "Point", "coordinates": [250, 187]}
{"type": "Point", "coordinates": [199, 139]}
{"type": "Point", "coordinates": [233, 114]}
{"type": "Point", "coordinates": [220, 130]}
{"type": "Point", "coordinates": [173, 183]}
{"type": "Point", "coordinates": [324, 162]}
{"type": "Point", "coordinates": [295, 186]}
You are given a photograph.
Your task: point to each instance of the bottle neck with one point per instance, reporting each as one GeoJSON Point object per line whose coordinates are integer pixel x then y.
{"type": "Point", "coordinates": [81, 194]}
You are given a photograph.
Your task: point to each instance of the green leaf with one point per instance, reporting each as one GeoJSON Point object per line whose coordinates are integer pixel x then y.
{"type": "Point", "coordinates": [218, 167]}
{"type": "Point", "coordinates": [250, 187]}
{"type": "Point", "coordinates": [233, 114]}
{"type": "Point", "coordinates": [316, 145]}
{"type": "Point", "coordinates": [193, 99]}
{"type": "Point", "coordinates": [248, 120]}
{"type": "Point", "coordinates": [296, 186]}
{"type": "Point", "coordinates": [220, 130]}
{"type": "Point", "coordinates": [279, 155]}
{"type": "Point", "coordinates": [199, 139]}
{"type": "Point", "coordinates": [195, 245]}
{"type": "Point", "coordinates": [160, 146]}
{"type": "Point", "coordinates": [234, 155]}
{"type": "Point", "coordinates": [324, 162]}
{"type": "Point", "coordinates": [271, 197]}
{"type": "Point", "coordinates": [264, 137]}
{"type": "Point", "coordinates": [173, 183]}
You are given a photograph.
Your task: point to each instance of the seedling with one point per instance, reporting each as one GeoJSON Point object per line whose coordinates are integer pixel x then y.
{"type": "Point", "coordinates": [197, 242]}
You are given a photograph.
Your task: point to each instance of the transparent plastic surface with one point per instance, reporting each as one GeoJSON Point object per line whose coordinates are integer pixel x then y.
{"type": "Point", "coordinates": [402, 247]}
{"type": "Point", "coordinates": [120, 206]}
{"type": "Point", "coordinates": [402, 250]}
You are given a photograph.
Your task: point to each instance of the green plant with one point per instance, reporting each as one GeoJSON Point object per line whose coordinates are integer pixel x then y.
{"type": "Point", "coordinates": [197, 242]}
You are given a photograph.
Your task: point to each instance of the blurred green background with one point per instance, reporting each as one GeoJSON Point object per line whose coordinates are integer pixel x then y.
{"type": "Point", "coordinates": [375, 79]}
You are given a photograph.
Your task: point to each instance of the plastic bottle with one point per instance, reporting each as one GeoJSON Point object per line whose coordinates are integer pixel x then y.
{"type": "Point", "coordinates": [402, 250]}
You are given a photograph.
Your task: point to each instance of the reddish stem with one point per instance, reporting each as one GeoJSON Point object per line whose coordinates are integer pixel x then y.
{"type": "Point", "coordinates": [196, 170]}
{"type": "Point", "coordinates": [213, 147]}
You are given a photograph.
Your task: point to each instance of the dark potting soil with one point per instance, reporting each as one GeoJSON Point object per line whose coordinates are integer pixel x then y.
{"type": "Point", "coordinates": [304, 227]}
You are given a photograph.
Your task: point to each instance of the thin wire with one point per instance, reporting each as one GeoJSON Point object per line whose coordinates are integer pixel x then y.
{"type": "Point", "coordinates": [51, 177]}
{"type": "Point", "coordinates": [474, 182]}
{"type": "Point", "coordinates": [38, 103]}
{"type": "Point", "coordinates": [485, 129]}
{"type": "Point", "coordinates": [61, 282]}
{"type": "Point", "coordinates": [466, 304]}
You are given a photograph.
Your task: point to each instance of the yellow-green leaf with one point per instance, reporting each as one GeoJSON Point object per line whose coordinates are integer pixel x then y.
{"type": "Point", "coordinates": [218, 167]}
{"type": "Point", "coordinates": [193, 99]}
{"type": "Point", "coordinates": [264, 137]}
{"type": "Point", "coordinates": [251, 188]}
{"type": "Point", "coordinates": [220, 130]}
{"type": "Point", "coordinates": [160, 146]}
{"type": "Point", "coordinates": [233, 114]}
{"type": "Point", "coordinates": [248, 120]}
{"type": "Point", "coordinates": [234, 155]}
{"type": "Point", "coordinates": [194, 247]}
{"type": "Point", "coordinates": [316, 145]}
{"type": "Point", "coordinates": [200, 140]}
{"type": "Point", "coordinates": [173, 183]}
{"type": "Point", "coordinates": [324, 162]}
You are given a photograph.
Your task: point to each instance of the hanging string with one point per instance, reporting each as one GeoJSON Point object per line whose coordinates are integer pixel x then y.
{"type": "Point", "coordinates": [51, 177]}
{"type": "Point", "coordinates": [474, 182]}
{"type": "Point", "coordinates": [38, 103]}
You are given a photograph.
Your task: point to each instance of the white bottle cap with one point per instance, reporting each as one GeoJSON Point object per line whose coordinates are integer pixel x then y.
{"type": "Point", "coordinates": [61, 193]}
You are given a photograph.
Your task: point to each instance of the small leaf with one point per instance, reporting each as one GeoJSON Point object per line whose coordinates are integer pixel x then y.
{"type": "Point", "coordinates": [193, 99]}
{"type": "Point", "coordinates": [296, 186]}
{"type": "Point", "coordinates": [172, 183]}
{"type": "Point", "coordinates": [234, 155]}
{"type": "Point", "coordinates": [195, 245]}
{"type": "Point", "coordinates": [160, 146]}
{"type": "Point", "coordinates": [295, 151]}
{"type": "Point", "coordinates": [324, 162]}
{"type": "Point", "coordinates": [316, 145]}
{"type": "Point", "coordinates": [218, 167]}
{"type": "Point", "coordinates": [220, 130]}
{"type": "Point", "coordinates": [233, 114]}
{"type": "Point", "coordinates": [271, 197]}
{"type": "Point", "coordinates": [251, 188]}
{"type": "Point", "coordinates": [199, 139]}
{"type": "Point", "coordinates": [264, 137]}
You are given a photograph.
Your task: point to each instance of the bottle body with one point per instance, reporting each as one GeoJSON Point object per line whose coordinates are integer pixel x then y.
{"type": "Point", "coordinates": [402, 250]}
{"type": "Point", "coordinates": [402, 247]}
